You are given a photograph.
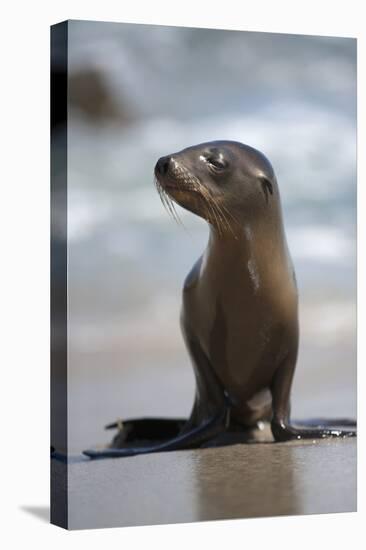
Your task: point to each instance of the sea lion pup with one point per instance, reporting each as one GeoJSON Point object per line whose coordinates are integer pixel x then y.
{"type": "Point", "coordinates": [240, 306]}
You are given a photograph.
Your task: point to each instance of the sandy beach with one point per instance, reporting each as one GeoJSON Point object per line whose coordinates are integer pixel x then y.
{"type": "Point", "coordinates": [240, 481]}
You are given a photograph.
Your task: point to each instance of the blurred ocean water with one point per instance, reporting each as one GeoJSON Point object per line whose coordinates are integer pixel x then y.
{"type": "Point", "coordinates": [292, 97]}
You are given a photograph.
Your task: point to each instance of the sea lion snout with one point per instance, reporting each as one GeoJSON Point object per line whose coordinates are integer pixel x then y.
{"type": "Point", "coordinates": [162, 166]}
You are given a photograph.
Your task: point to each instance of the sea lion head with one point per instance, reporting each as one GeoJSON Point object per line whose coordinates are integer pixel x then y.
{"type": "Point", "coordinates": [221, 181]}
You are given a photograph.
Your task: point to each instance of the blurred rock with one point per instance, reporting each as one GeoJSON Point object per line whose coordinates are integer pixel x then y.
{"type": "Point", "coordinates": [90, 93]}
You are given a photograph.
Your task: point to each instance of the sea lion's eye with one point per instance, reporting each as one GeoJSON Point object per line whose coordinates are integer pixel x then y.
{"type": "Point", "coordinates": [216, 162]}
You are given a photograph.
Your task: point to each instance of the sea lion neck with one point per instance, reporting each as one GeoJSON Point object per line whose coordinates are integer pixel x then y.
{"type": "Point", "coordinates": [255, 245]}
{"type": "Point", "coordinates": [248, 233]}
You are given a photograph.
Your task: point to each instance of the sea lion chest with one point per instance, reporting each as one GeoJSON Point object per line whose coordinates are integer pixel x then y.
{"type": "Point", "coordinates": [239, 319]}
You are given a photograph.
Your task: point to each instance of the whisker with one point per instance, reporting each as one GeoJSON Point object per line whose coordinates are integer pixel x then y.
{"type": "Point", "coordinates": [167, 202]}
{"type": "Point", "coordinates": [210, 204]}
{"type": "Point", "coordinates": [223, 209]}
{"type": "Point", "coordinates": [223, 221]}
{"type": "Point", "coordinates": [211, 209]}
{"type": "Point", "coordinates": [217, 212]}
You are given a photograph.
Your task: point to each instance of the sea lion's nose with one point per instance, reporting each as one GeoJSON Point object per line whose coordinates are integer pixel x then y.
{"type": "Point", "coordinates": [162, 166]}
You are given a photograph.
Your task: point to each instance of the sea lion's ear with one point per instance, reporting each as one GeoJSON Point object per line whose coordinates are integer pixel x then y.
{"type": "Point", "coordinates": [267, 186]}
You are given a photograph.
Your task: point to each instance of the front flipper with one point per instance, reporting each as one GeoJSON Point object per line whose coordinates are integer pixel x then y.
{"type": "Point", "coordinates": [186, 440]}
{"type": "Point", "coordinates": [334, 423]}
{"type": "Point", "coordinates": [283, 431]}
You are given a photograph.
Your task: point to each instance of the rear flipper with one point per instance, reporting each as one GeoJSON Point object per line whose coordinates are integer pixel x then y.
{"type": "Point", "coordinates": [329, 428]}
{"type": "Point", "coordinates": [129, 445]}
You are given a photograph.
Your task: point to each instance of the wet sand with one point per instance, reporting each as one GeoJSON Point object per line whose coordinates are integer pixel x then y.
{"type": "Point", "coordinates": [240, 481]}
